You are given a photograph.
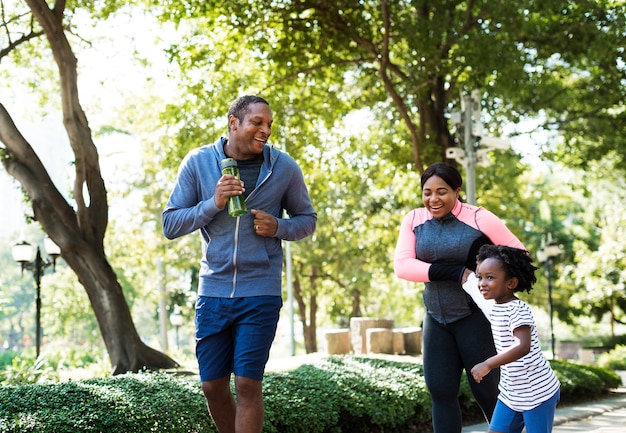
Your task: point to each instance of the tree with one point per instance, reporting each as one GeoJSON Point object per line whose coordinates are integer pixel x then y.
{"type": "Point", "coordinates": [79, 232]}
{"type": "Point", "coordinates": [340, 268]}
{"type": "Point", "coordinates": [405, 64]}
{"type": "Point", "coordinates": [411, 60]}
{"type": "Point", "coordinates": [599, 275]}
{"type": "Point", "coordinates": [401, 67]}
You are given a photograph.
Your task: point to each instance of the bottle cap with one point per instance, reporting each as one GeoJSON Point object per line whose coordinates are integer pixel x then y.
{"type": "Point", "coordinates": [228, 162]}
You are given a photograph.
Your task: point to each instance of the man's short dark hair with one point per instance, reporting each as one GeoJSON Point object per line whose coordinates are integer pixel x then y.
{"type": "Point", "coordinates": [239, 107]}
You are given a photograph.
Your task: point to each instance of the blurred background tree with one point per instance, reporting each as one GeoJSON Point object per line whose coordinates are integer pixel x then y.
{"type": "Point", "coordinates": [362, 95]}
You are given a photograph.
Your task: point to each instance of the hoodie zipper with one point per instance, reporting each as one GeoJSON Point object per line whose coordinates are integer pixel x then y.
{"type": "Point", "coordinates": [269, 173]}
{"type": "Point", "coordinates": [232, 293]}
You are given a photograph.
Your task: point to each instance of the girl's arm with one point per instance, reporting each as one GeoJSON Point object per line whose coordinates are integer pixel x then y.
{"type": "Point", "coordinates": [513, 353]}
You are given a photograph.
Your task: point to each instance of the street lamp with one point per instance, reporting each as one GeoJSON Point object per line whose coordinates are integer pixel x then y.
{"type": "Point", "coordinates": [23, 254]}
{"type": "Point", "coordinates": [176, 319]}
{"type": "Point", "coordinates": [546, 255]}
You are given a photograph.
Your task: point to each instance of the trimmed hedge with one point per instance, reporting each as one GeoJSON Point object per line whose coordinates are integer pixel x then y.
{"type": "Point", "coordinates": [335, 394]}
{"type": "Point", "coordinates": [146, 402]}
{"type": "Point", "coordinates": [347, 394]}
{"type": "Point", "coordinates": [582, 382]}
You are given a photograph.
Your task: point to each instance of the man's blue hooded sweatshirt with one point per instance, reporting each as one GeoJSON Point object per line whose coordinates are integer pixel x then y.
{"type": "Point", "coordinates": [237, 262]}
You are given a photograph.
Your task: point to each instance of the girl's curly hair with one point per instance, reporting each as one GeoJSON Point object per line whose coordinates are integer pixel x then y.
{"type": "Point", "coordinates": [516, 262]}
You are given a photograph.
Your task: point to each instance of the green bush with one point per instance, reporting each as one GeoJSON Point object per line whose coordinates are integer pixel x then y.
{"type": "Point", "coordinates": [147, 402]}
{"type": "Point", "coordinates": [615, 359]}
{"type": "Point", "coordinates": [28, 370]}
{"type": "Point", "coordinates": [583, 382]}
{"type": "Point", "coordinates": [335, 394]}
{"type": "Point", "coordinates": [347, 394]}
{"type": "Point", "coordinates": [51, 366]}
{"type": "Point", "coordinates": [6, 357]}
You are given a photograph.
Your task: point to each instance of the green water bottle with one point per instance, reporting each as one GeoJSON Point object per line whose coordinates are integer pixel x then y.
{"type": "Point", "coordinates": [236, 203]}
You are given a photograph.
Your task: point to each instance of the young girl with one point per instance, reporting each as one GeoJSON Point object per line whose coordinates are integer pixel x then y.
{"type": "Point", "coordinates": [529, 389]}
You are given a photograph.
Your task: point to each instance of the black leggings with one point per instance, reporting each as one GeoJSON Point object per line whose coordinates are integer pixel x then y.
{"type": "Point", "coordinates": [448, 349]}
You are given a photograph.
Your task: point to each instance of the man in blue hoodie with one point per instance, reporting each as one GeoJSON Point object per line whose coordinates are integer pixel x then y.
{"type": "Point", "coordinates": [239, 290]}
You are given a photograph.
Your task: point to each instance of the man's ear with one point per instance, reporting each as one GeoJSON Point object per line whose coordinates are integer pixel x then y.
{"type": "Point", "coordinates": [233, 122]}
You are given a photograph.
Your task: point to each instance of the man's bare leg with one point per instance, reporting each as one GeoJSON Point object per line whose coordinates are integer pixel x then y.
{"type": "Point", "coordinates": [250, 407]}
{"type": "Point", "coordinates": [221, 403]}
{"type": "Point", "coordinates": [245, 415]}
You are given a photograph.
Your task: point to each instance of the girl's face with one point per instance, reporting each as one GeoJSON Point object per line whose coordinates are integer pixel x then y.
{"type": "Point", "coordinates": [438, 197]}
{"type": "Point", "coordinates": [493, 282]}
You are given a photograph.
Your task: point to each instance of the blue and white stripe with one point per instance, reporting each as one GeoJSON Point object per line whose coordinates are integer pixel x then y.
{"type": "Point", "coordinates": [528, 381]}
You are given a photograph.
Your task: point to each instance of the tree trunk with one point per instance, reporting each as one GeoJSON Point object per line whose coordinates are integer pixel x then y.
{"type": "Point", "coordinates": [356, 304]}
{"type": "Point", "coordinates": [126, 350]}
{"type": "Point", "coordinates": [79, 233]}
{"type": "Point", "coordinates": [309, 327]}
{"type": "Point", "coordinates": [310, 331]}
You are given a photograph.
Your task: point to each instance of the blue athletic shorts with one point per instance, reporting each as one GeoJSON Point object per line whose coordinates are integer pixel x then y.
{"type": "Point", "coordinates": [539, 419]}
{"type": "Point", "coordinates": [234, 335]}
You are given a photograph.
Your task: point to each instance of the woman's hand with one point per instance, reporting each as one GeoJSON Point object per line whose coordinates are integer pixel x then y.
{"type": "Point", "coordinates": [466, 273]}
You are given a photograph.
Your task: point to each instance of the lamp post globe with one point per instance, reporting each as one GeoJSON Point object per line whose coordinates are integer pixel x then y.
{"type": "Point", "coordinates": [22, 253]}
{"type": "Point", "coordinates": [546, 255]}
{"type": "Point", "coordinates": [176, 319]}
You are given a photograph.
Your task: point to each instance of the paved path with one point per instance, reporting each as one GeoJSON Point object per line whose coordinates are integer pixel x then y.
{"type": "Point", "coordinates": [609, 422]}
{"type": "Point", "coordinates": [603, 416]}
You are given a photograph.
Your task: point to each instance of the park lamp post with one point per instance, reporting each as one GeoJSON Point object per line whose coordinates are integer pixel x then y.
{"type": "Point", "coordinates": [176, 319]}
{"type": "Point", "coordinates": [546, 255]}
{"type": "Point", "coordinates": [23, 254]}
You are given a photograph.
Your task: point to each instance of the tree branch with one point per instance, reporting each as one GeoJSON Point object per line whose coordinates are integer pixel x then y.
{"type": "Point", "coordinates": [92, 210]}
{"type": "Point", "coordinates": [21, 162]}
{"type": "Point", "coordinates": [6, 25]}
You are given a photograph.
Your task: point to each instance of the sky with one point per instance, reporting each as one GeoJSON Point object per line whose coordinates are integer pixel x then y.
{"type": "Point", "coordinates": [120, 159]}
{"type": "Point", "coordinates": [108, 78]}
{"type": "Point", "coordinates": [47, 139]}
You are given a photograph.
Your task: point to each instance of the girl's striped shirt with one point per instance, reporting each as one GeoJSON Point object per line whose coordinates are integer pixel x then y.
{"type": "Point", "coordinates": [529, 381]}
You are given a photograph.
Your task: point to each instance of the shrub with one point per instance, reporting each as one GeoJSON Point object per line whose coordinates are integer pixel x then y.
{"type": "Point", "coordinates": [6, 357]}
{"type": "Point", "coordinates": [335, 394]}
{"type": "Point", "coordinates": [28, 370]}
{"type": "Point", "coordinates": [606, 342]}
{"type": "Point", "coordinates": [125, 403]}
{"type": "Point", "coordinates": [347, 394]}
{"type": "Point", "coordinates": [51, 366]}
{"type": "Point", "coordinates": [583, 382]}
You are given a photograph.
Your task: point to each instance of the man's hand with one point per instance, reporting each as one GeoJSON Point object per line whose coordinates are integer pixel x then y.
{"type": "Point", "coordinates": [227, 186]}
{"type": "Point", "coordinates": [264, 223]}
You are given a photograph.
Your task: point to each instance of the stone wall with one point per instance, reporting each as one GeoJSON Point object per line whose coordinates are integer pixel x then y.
{"type": "Point", "coordinates": [337, 342]}
{"type": "Point", "coordinates": [373, 335]}
{"type": "Point", "coordinates": [358, 331]}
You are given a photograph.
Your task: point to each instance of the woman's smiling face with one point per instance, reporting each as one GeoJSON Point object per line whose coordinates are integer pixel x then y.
{"type": "Point", "coordinates": [438, 197]}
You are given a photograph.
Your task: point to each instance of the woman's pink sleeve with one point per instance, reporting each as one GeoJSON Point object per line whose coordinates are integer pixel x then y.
{"type": "Point", "coordinates": [496, 230]}
{"type": "Point", "coordinates": [405, 264]}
